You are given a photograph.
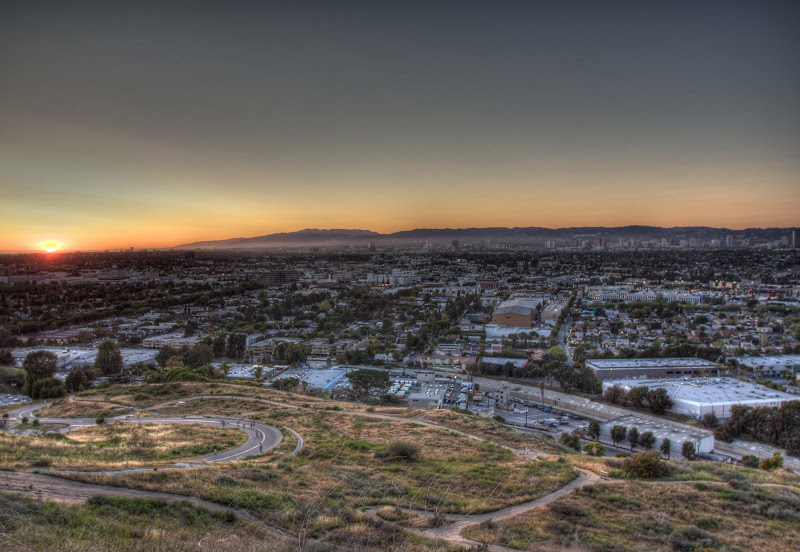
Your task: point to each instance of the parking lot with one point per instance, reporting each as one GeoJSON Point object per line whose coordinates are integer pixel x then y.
{"type": "Point", "coordinates": [13, 399]}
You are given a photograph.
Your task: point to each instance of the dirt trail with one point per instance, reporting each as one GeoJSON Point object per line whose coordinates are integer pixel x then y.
{"type": "Point", "coordinates": [56, 489]}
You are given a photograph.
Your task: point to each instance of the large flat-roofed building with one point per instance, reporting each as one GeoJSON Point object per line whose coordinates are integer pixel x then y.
{"type": "Point", "coordinates": [631, 368]}
{"type": "Point", "coordinates": [770, 366]}
{"type": "Point", "coordinates": [676, 433]}
{"type": "Point", "coordinates": [431, 397]}
{"type": "Point", "coordinates": [700, 396]}
{"type": "Point", "coordinates": [175, 340]}
{"type": "Point", "coordinates": [516, 312]}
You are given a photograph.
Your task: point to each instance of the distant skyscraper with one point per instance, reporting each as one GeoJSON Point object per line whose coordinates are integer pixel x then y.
{"type": "Point", "coordinates": [794, 239]}
{"type": "Point", "coordinates": [729, 241]}
{"type": "Point", "coordinates": [455, 245]}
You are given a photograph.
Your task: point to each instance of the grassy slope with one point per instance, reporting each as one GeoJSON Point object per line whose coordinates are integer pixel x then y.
{"type": "Point", "coordinates": [104, 447]}
{"type": "Point", "coordinates": [646, 516]}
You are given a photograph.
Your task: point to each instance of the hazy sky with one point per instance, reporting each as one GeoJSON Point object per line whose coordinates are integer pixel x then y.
{"type": "Point", "coordinates": [154, 124]}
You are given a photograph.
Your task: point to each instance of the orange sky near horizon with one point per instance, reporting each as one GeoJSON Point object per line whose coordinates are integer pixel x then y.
{"type": "Point", "coordinates": [144, 217]}
{"type": "Point", "coordinates": [151, 125]}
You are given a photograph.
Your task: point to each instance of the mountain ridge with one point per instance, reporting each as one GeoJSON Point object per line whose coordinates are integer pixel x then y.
{"type": "Point", "coordinates": [309, 237]}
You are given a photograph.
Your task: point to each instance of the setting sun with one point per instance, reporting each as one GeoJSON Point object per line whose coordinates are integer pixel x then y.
{"type": "Point", "coordinates": [50, 246]}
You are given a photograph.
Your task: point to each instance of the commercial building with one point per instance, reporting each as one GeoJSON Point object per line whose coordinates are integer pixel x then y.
{"type": "Point", "coordinates": [700, 396]}
{"type": "Point", "coordinates": [552, 311]}
{"type": "Point", "coordinates": [770, 366]}
{"type": "Point", "coordinates": [175, 340]}
{"type": "Point", "coordinates": [516, 313]}
{"type": "Point", "coordinates": [430, 397]}
{"type": "Point", "coordinates": [632, 368]}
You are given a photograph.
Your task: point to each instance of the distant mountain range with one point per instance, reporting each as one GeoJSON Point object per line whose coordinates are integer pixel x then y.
{"type": "Point", "coordinates": [312, 237]}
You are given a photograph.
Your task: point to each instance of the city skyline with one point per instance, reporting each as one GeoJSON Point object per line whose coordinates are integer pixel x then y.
{"type": "Point", "coordinates": [154, 126]}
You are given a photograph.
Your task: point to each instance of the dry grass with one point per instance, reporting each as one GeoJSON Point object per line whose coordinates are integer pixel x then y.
{"type": "Point", "coordinates": [115, 446]}
{"type": "Point", "coordinates": [82, 409]}
{"type": "Point", "coordinates": [646, 516]}
{"type": "Point", "coordinates": [341, 468]}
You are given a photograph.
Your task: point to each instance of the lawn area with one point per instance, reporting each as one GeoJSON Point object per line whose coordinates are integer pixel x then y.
{"type": "Point", "coordinates": [115, 446]}
{"type": "Point", "coordinates": [632, 516]}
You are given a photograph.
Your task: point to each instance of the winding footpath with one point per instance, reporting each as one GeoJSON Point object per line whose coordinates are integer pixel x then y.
{"type": "Point", "coordinates": [266, 437]}
{"type": "Point", "coordinates": [261, 438]}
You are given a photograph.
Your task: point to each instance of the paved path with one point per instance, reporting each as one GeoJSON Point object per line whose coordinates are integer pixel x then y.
{"type": "Point", "coordinates": [451, 531]}
{"type": "Point", "coordinates": [45, 487]}
{"type": "Point", "coordinates": [260, 437]}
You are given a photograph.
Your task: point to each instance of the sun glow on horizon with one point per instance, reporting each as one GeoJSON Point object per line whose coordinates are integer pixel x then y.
{"type": "Point", "coordinates": [50, 246]}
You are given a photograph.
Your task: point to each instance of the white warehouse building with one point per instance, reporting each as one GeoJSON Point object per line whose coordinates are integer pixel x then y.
{"type": "Point", "coordinates": [699, 396]}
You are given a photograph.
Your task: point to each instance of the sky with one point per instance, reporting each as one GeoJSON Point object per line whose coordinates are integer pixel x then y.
{"type": "Point", "coordinates": [153, 124]}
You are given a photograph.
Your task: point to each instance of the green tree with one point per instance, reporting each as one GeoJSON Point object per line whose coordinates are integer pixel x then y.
{"type": "Point", "coordinates": [633, 437]}
{"type": "Point", "coordinates": [47, 388]}
{"type": "Point", "coordinates": [219, 344]}
{"type": "Point", "coordinates": [38, 365]}
{"type": "Point", "coordinates": [286, 384]}
{"type": "Point", "coordinates": [570, 440]}
{"type": "Point", "coordinates": [258, 373]}
{"type": "Point", "coordinates": [647, 440]}
{"type": "Point", "coordinates": [710, 420]}
{"type": "Point", "coordinates": [199, 355]}
{"type": "Point", "coordinates": [6, 358]}
{"type": "Point", "coordinates": [109, 359]}
{"type": "Point", "coordinates": [637, 395]}
{"type": "Point", "coordinates": [659, 400]}
{"type": "Point", "coordinates": [164, 354]}
{"type": "Point", "coordinates": [615, 394]}
{"type": "Point", "coordinates": [368, 384]}
{"type": "Point", "coordinates": [78, 380]}
{"type": "Point", "coordinates": [237, 344]}
{"type": "Point", "coordinates": [618, 433]}
{"type": "Point", "coordinates": [594, 430]}
{"type": "Point", "coordinates": [666, 447]}
{"type": "Point", "coordinates": [557, 353]}
{"type": "Point", "coordinates": [688, 451]}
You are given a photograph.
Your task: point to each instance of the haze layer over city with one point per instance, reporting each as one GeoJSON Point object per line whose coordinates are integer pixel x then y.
{"type": "Point", "coordinates": [424, 277]}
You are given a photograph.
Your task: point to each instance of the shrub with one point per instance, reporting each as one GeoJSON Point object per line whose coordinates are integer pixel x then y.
{"type": "Point", "coordinates": [750, 461]}
{"type": "Point", "coordinates": [499, 419]}
{"type": "Point", "coordinates": [226, 481]}
{"type": "Point", "coordinates": [24, 420]}
{"type": "Point", "coordinates": [646, 465]}
{"type": "Point", "coordinates": [772, 463]}
{"type": "Point", "coordinates": [404, 451]}
{"type": "Point", "coordinates": [595, 449]}
{"type": "Point", "coordinates": [568, 509]}
{"type": "Point", "coordinates": [100, 420]}
{"type": "Point", "coordinates": [570, 440]}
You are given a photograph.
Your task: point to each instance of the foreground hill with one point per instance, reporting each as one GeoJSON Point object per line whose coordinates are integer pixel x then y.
{"type": "Point", "coordinates": [350, 477]}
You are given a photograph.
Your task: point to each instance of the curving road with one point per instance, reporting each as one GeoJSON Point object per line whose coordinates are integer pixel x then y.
{"type": "Point", "coordinates": [261, 438]}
